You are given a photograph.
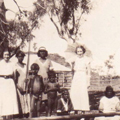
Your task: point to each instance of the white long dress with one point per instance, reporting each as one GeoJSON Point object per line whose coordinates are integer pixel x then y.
{"type": "Point", "coordinates": [8, 96]}
{"type": "Point", "coordinates": [78, 91]}
{"type": "Point", "coordinates": [23, 99]}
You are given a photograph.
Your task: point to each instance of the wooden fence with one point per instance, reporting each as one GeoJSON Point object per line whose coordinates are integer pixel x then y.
{"type": "Point", "coordinates": [65, 77]}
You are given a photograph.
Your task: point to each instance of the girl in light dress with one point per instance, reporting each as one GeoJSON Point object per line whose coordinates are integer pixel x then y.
{"type": "Point", "coordinates": [23, 97]}
{"type": "Point", "coordinates": [109, 104]}
{"type": "Point", "coordinates": [8, 96]}
{"type": "Point", "coordinates": [81, 81]}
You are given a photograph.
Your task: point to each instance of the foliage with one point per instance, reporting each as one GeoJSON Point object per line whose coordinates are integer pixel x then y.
{"type": "Point", "coordinates": [67, 16]}
{"type": "Point", "coordinates": [17, 32]}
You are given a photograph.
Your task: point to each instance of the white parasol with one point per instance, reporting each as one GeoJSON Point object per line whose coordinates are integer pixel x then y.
{"type": "Point", "coordinates": [70, 51]}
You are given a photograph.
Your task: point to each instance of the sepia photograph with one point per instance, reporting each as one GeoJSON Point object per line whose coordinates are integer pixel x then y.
{"type": "Point", "coordinates": [59, 60]}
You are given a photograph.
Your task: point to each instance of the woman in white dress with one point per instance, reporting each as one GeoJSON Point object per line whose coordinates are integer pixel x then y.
{"type": "Point", "coordinates": [20, 73]}
{"type": "Point", "coordinates": [45, 65]}
{"type": "Point", "coordinates": [81, 81]}
{"type": "Point", "coordinates": [8, 96]}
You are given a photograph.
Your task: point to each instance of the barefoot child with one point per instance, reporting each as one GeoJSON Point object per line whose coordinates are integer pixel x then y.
{"type": "Point", "coordinates": [36, 88]}
{"type": "Point", "coordinates": [51, 89]}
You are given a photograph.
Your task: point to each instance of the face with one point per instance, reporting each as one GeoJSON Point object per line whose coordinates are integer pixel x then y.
{"type": "Point", "coordinates": [52, 78]}
{"type": "Point", "coordinates": [20, 59]}
{"type": "Point", "coordinates": [43, 54]}
{"type": "Point", "coordinates": [79, 51]}
{"type": "Point", "coordinates": [109, 93]}
{"type": "Point", "coordinates": [6, 56]}
{"type": "Point", "coordinates": [66, 96]}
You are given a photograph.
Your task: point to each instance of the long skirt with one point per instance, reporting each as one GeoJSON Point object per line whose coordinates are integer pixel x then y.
{"type": "Point", "coordinates": [24, 103]}
{"type": "Point", "coordinates": [8, 97]}
{"type": "Point", "coordinates": [79, 92]}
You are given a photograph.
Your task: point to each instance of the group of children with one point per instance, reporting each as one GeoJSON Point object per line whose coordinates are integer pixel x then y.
{"type": "Point", "coordinates": [36, 88]}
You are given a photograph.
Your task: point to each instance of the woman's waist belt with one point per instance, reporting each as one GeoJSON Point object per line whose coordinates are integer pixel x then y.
{"type": "Point", "coordinates": [80, 70]}
{"type": "Point", "coordinates": [6, 76]}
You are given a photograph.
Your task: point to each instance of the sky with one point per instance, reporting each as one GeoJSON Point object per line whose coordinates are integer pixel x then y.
{"type": "Point", "coordinates": [100, 33]}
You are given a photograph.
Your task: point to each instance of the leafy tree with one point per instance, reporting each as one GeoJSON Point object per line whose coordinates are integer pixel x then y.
{"type": "Point", "coordinates": [67, 16]}
{"type": "Point", "coordinates": [109, 63]}
{"type": "Point", "coordinates": [15, 33]}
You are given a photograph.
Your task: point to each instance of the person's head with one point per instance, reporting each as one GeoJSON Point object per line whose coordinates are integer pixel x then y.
{"type": "Point", "coordinates": [6, 55]}
{"type": "Point", "coordinates": [35, 68]}
{"type": "Point", "coordinates": [109, 92]}
{"type": "Point", "coordinates": [80, 50]}
{"type": "Point", "coordinates": [20, 56]}
{"type": "Point", "coordinates": [51, 76]}
{"type": "Point", "coordinates": [65, 94]}
{"type": "Point", "coordinates": [42, 52]}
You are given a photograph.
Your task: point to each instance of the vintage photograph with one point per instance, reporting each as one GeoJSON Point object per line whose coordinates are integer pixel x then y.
{"type": "Point", "coordinates": [59, 60]}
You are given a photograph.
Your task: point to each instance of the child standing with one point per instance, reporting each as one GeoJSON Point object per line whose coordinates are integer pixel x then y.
{"type": "Point", "coordinates": [51, 89]}
{"type": "Point", "coordinates": [64, 105]}
{"type": "Point", "coordinates": [36, 87]}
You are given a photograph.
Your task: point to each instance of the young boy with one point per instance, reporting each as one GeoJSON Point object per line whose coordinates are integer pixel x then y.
{"type": "Point", "coordinates": [36, 87]}
{"type": "Point", "coordinates": [51, 89]}
{"type": "Point", "coordinates": [64, 105]}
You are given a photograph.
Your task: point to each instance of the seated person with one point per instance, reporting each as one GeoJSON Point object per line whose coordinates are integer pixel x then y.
{"type": "Point", "coordinates": [64, 105]}
{"type": "Point", "coordinates": [109, 104]}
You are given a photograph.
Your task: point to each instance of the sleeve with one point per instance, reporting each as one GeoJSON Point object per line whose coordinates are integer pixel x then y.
{"type": "Point", "coordinates": [117, 107]}
{"type": "Point", "coordinates": [101, 104]}
{"type": "Point", "coordinates": [70, 106]}
{"type": "Point", "coordinates": [59, 106]}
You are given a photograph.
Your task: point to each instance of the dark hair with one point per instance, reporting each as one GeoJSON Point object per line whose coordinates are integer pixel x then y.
{"type": "Point", "coordinates": [64, 91]}
{"type": "Point", "coordinates": [82, 47]}
{"type": "Point", "coordinates": [7, 50]}
{"type": "Point", "coordinates": [20, 53]}
{"type": "Point", "coordinates": [109, 88]}
{"type": "Point", "coordinates": [46, 53]}
{"type": "Point", "coordinates": [35, 66]}
{"type": "Point", "coordinates": [51, 73]}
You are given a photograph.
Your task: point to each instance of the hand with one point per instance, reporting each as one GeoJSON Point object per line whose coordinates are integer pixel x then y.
{"type": "Point", "coordinates": [72, 112]}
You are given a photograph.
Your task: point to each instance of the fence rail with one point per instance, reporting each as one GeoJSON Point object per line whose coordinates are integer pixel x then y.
{"type": "Point", "coordinates": [68, 117]}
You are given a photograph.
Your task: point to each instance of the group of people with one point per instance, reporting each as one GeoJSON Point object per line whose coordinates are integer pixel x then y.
{"type": "Point", "coordinates": [23, 96]}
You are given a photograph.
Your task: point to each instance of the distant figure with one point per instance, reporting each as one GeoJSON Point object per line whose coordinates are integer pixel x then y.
{"type": "Point", "coordinates": [36, 87]}
{"type": "Point", "coordinates": [64, 105]}
{"type": "Point", "coordinates": [109, 104]}
{"type": "Point", "coordinates": [81, 81]}
{"type": "Point", "coordinates": [20, 80]}
{"type": "Point", "coordinates": [51, 89]}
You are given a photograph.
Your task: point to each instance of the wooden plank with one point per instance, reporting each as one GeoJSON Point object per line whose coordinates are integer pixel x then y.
{"type": "Point", "coordinates": [66, 117]}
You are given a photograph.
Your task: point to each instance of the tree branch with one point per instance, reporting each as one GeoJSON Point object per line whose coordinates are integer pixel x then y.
{"type": "Point", "coordinates": [78, 24]}
{"type": "Point", "coordinates": [18, 6]}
